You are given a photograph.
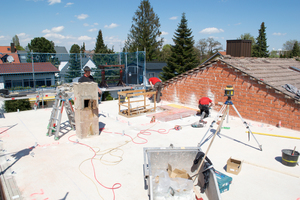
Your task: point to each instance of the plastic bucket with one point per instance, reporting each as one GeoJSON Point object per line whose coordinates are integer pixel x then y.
{"type": "Point", "coordinates": [288, 159]}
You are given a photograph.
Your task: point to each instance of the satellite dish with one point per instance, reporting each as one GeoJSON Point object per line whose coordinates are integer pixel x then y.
{"type": "Point", "coordinates": [10, 59]}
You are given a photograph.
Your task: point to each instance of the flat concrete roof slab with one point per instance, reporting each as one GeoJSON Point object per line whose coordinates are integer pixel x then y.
{"type": "Point", "coordinates": [44, 168]}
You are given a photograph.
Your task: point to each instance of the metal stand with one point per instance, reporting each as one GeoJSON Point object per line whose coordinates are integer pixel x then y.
{"type": "Point", "coordinates": [223, 112]}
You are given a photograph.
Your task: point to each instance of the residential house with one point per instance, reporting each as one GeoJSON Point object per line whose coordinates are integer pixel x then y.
{"type": "Point", "coordinates": [153, 69]}
{"type": "Point", "coordinates": [8, 54]}
{"type": "Point", "coordinates": [21, 74]}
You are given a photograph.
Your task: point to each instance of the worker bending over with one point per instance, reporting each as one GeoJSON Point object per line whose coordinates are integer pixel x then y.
{"type": "Point", "coordinates": [204, 104]}
{"type": "Point", "coordinates": [157, 85]}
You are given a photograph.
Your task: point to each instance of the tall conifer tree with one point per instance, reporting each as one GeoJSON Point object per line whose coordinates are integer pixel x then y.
{"type": "Point", "coordinates": [260, 49]}
{"type": "Point", "coordinates": [296, 50]}
{"type": "Point", "coordinates": [74, 66]}
{"type": "Point", "coordinates": [183, 56]}
{"type": "Point", "coordinates": [144, 32]}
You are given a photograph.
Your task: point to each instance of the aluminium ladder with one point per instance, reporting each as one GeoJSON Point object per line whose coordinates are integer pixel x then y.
{"type": "Point", "coordinates": [62, 99]}
{"type": "Point", "coordinates": [37, 101]}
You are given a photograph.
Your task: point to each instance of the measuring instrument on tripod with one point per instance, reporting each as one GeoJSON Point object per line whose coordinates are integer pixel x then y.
{"type": "Point", "coordinates": [224, 111]}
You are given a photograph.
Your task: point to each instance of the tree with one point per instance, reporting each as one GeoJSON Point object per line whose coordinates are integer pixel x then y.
{"type": "Point", "coordinates": [82, 48]}
{"type": "Point", "coordinates": [213, 46]}
{"type": "Point", "coordinates": [207, 47]}
{"type": "Point", "coordinates": [295, 50]}
{"type": "Point", "coordinates": [288, 45]}
{"type": "Point", "coordinates": [202, 47]}
{"type": "Point", "coordinates": [16, 41]}
{"type": "Point", "coordinates": [247, 36]}
{"type": "Point", "coordinates": [74, 63]}
{"type": "Point", "coordinates": [42, 48]}
{"type": "Point", "coordinates": [144, 32]}
{"type": "Point", "coordinates": [100, 46]}
{"type": "Point", "coordinates": [183, 56]}
{"type": "Point", "coordinates": [41, 45]}
{"type": "Point", "coordinates": [260, 47]}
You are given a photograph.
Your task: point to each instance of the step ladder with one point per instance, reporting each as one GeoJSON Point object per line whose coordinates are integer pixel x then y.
{"type": "Point", "coordinates": [62, 100]}
{"type": "Point", "coordinates": [37, 101]}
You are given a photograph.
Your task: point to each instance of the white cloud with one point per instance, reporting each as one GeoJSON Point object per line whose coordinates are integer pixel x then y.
{"type": "Point", "coordinates": [51, 2]}
{"type": "Point", "coordinates": [84, 38]}
{"type": "Point", "coordinates": [112, 25]}
{"type": "Point", "coordinates": [96, 24]}
{"type": "Point", "coordinates": [164, 33]}
{"type": "Point", "coordinates": [112, 40]}
{"type": "Point", "coordinates": [82, 16]}
{"type": "Point", "coordinates": [57, 29]}
{"type": "Point", "coordinates": [85, 24]}
{"type": "Point", "coordinates": [279, 34]}
{"type": "Point", "coordinates": [57, 36]}
{"type": "Point", "coordinates": [238, 24]}
{"type": "Point", "coordinates": [46, 31]}
{"type": "Point", "coordinates": [173, 18]}
{"type": "Point", "coordinates": [1, 37]}
{"type": "Point", "coordinates": [21, 35]}
{"type": "Point", "coordinates": [92, 30]}
{"type": "Point", "coordinates": [54, 35]}
{"type": "Point", "coordinates": [69, 4]}
{"type": "Point", "coordinates": [211, 30]}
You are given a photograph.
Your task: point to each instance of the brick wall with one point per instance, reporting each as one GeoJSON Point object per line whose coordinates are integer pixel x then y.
{"type": "Point", "coordinates": [253, 100]}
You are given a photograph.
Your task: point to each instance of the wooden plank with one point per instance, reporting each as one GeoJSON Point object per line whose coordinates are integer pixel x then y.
{"type": "Point", "coordinates": [140, 94]}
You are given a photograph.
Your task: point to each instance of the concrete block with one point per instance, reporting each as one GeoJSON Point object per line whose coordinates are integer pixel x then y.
{"type": "Point", "coordinates": [86, 109]}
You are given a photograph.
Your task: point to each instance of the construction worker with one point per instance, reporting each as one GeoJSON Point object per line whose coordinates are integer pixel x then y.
{"type": "Point", "coordinates": [204, 104]}
{"type": "Point", "coordinates": [157, 85]}
{"type": "Point", "coordinates": [87, 77]}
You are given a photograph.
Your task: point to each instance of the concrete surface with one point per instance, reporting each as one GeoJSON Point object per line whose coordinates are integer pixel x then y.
{"type": "Point", "coordinates": [43, 168]}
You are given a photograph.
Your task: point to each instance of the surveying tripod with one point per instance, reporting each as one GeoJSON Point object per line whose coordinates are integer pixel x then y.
{"type": "Point", "coordinates": [224, 111]}
{"type": "Point", "coordinates": [61, 98]}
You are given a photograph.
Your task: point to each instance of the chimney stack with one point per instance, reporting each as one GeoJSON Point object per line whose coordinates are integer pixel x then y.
{"type": "Point", "coordinates": [239, 48]}
{"type": "Point", "coordinates": [12, 48]}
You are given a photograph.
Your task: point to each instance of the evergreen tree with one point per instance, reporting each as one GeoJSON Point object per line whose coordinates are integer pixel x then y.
{"type": "Point", "coordinates": [260, 49]}
{"type": "Point", "coordinates": [183, 57]}
{"type": "Point", "coordinates": [74, 63]}
{"type": "Point", "coordinates": [144, 32]}
{"type": "Point", "coordinates": [295, 50]}
{"type": "Point", "coordinates": [82, 48]}
{"type": "Point", "coordinates": [100, 46]}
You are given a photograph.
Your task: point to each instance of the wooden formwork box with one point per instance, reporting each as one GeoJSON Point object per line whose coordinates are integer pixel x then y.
{"type": "Point", "coordinates": [131, 112]}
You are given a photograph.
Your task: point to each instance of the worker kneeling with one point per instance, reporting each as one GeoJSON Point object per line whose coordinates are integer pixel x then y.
{"type": "Point", "coordinates": [204, 104]}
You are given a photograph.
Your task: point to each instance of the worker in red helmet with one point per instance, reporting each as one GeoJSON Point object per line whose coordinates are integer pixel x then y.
{"type": "Point", "coordinates": [157, 85]}
{"type": "Point", "coordinates": [204, 104]}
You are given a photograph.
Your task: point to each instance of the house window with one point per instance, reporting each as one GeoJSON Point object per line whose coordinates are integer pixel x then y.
{"type": "Point", "coordinates": [8, 84]}
{"type": "Point", "coordinates": [17, 83]}
{"type": "Point", "coordinates": [40, 82]}
{"type": "Point", "coordinates": [48, 81]}
{"type": "Point", "coordinates": [151, 74]}
{"type": "Point", "coordinates": [28, 82]}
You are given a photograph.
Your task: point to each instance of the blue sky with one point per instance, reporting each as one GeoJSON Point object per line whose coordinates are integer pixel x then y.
{"type": "Point", "coordinates": [68, 22]}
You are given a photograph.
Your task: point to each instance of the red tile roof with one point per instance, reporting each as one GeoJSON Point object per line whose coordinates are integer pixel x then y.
{"type": "Point", "coordinates": [6, 50]}
{"type": "Point", "coordinates": [223, 53]}
{"type": "Point", "coordinates": [14, 68]}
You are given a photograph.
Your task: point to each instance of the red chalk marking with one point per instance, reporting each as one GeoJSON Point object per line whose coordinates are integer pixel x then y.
{"type": "Point", "coordinates": [42, 192]}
